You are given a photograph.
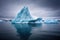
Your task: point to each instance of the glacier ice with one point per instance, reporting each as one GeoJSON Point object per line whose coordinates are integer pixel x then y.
{"type": "Point", "coordinates": [50, 21]}
{"type": "Point", "coordinates": [38, 20]}
{"type": "Point", "coordinates": [22, 16]}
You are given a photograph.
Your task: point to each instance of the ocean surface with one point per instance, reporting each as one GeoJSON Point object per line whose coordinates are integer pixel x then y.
{"type": "Point", "coordinates": [24, 31]}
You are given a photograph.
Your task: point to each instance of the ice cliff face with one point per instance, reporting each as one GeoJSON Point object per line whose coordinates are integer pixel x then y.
{"type": "Point", "coordinates": [22, 16]}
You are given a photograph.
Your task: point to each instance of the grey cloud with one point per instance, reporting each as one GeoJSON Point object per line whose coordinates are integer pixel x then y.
{"type": "Point", "coordinates": [9, 7]}
{"type": "Point", "coordinates": [54, 4]}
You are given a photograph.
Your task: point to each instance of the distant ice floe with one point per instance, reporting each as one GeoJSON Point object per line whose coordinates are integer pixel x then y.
{"type": "Point", "coordinates": [51, 21]}
{"type": "Point", "coordinates": [1, 20]}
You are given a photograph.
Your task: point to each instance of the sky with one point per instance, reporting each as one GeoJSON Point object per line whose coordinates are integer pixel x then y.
{"type": "Point", "coordinates": [37, 8]}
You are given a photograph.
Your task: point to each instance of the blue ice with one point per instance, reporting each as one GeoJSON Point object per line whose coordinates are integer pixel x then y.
{"type": "Point", "coordinates": [23, 16]}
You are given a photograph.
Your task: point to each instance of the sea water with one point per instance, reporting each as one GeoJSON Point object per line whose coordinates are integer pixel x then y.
{"type": "Point", "coordinates": [23, 31]}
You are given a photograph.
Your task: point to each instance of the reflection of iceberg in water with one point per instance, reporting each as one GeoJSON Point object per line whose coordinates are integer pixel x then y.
{"type": "Point", "coordinates": [23, 16]}
{"type": "Point", "coordinates": [24, 31]}
{"type": "Point", "coordinates": [35, 24]}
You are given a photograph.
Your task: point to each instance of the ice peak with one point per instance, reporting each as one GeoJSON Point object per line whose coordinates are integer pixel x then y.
{"type": "Point", "coordinates": [25, 7]}
{"type": "Point", "coordinates": [23, 15]}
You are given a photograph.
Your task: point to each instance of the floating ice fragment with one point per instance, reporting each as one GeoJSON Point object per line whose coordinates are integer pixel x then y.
{"type": "Point", "coordinates": [50, 21]}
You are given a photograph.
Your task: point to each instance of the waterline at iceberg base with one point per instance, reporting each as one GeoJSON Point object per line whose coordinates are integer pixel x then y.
{"type": "Point", "coordinates": [24, 17]}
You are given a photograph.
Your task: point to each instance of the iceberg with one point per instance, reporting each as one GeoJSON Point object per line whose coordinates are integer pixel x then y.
{"type": "Point", "coordinates": [23, 16]}
{"type": "Point", "coordinates": [50, 21]}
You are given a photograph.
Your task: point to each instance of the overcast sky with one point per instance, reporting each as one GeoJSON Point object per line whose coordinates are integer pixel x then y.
{"type": "Point", "coordinates": [39, 8]}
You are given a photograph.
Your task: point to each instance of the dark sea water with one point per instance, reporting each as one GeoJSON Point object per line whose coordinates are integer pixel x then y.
{"type": "Point", "coordinates": [24, 31]}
